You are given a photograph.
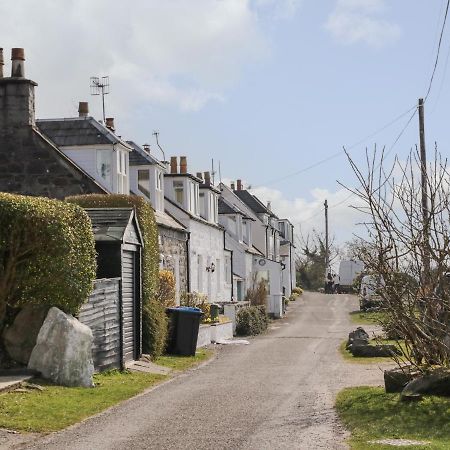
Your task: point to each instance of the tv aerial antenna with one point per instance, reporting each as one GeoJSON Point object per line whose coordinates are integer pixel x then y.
{"type": "Point", "coordinates": [100, 86]}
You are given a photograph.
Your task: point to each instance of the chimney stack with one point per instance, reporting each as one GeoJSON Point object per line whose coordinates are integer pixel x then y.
{"type": "Point", "coordinates": [207, 179]}
{"type": "Point", "coordinates": [173, 164]}
{"type": "Point", "coordinates": [83, 109]}
{"type": "Point", "coordinates": [239, 185]}
{"type": "Point", "coordinates": [18, 63]}
{"type": "Point", "coordinates": [183, 164]}
{"type": "Point", "coordinates": [199, 175]}
{"type": "Point", "coordinates": [146, 148]}
{"type": "Point", "coordinates": [269, 206]}
{"type": "Point", "coordinates": [233, 187]}
{"type": "Point", "coordinates": [110, 123]}
{"type": "Point", "coordinates": [2, 63]}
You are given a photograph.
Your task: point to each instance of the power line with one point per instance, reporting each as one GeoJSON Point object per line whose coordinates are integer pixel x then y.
{"type": "Point", "coordinates": [340, 153]}
{"type": "Point", "coordinates": [438, 50]}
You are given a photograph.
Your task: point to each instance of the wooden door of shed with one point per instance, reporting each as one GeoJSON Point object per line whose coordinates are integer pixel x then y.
{"type": "Point", "coordinates": [129, 291]}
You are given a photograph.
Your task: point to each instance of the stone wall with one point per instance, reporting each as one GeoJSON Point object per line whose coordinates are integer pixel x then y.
{"type": "Point", "coordinates": [173, 248]}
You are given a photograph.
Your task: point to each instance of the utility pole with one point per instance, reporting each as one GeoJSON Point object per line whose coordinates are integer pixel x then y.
{"type": "Point", "coordinates": [425, 212]}
{"type": "Point", "coordinates": [327, 252]}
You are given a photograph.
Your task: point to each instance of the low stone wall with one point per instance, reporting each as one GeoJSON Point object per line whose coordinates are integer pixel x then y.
{"type": "Point", "coordinates": [208, 334]}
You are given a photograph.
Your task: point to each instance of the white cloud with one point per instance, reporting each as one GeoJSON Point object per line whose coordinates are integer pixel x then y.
{"type": "Point", "coordinates": [279, 9]}
{"type": "Point", "coordinates": [308, 214]}
{"type": "Point", "coordinates": [180, 52]}
{"type": "Point", "coordinates": [359, 21]}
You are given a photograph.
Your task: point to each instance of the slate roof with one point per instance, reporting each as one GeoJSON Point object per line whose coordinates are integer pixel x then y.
{"type": "Point", "coordinates": [253, 203]}
{"type": "Point", "coordinates": [139, 157]}
{"type": "Point", "coordinates": [226, 207]}
{"type": "Point", "coordinates": [77, 131]}
{"type": "Point", "coordinates": [109, 224]}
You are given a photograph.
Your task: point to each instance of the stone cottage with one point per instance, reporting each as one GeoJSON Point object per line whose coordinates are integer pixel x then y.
{"type": "Point", "coordinates": [30, 163]}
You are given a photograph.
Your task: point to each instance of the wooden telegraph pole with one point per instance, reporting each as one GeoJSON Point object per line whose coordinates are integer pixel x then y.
{"type": "Point", "coordinates": [425, 212]}
{"type": "Point", "coordinates": [327, 253]}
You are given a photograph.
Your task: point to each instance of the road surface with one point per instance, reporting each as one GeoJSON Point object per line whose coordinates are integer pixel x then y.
{"type": "Point", "coordinates": [276, 393]}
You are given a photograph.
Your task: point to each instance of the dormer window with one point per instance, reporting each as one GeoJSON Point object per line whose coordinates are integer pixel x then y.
{"type": "Point", "coordinates": [179, 191]}
{"type": "Point", "coordinates": [144, 182]}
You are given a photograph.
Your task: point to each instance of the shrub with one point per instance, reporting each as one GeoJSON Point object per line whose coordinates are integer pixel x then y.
{"type": "Point", "coordinates": [251, 321]}
{"type": "Point", "coordinates": [47, 253]}
{"type": "Point", "coordinates": [166, 288]}
{"type": "Point", "coordinates": [297, 290]}
{"type": "Point", "coordinates": [154, 320]}
{"type": "Point", "coordinates": [196, 300]}
{"type": "Point", "coordinates": [257, 294]}
{"type": "Point", "coordinates": [293, 297]}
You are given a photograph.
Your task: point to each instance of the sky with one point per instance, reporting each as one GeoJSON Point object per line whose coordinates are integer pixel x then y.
{"type": "Point", "coordinates": [269, 89]}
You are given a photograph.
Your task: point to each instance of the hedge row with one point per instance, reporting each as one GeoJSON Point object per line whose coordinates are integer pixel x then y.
{"type": "Point", "coordinates": [154, 320]}
{"type": "Point", "coordinates": [47, 253]}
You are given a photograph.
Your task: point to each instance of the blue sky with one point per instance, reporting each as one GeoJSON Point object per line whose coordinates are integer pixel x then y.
{"type": "Point", "coordinates": [266, 87]}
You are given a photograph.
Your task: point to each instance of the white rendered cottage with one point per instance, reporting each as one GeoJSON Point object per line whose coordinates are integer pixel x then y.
{"type": "Point", "coordinates": [194, 202]}
{"type": "Point", "coordinates": [265, 240]}
{"type": "Point", "coordinates": [94, 147]}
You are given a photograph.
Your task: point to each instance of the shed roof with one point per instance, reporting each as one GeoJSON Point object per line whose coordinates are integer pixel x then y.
{"type": "Point", "coordinates": [110, 224]}
{"type": "Point", "coordinates": [78, 131]}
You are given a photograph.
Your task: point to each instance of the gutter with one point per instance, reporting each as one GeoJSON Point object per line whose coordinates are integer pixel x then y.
{"type": "Point", "coordinates": [188, 262]}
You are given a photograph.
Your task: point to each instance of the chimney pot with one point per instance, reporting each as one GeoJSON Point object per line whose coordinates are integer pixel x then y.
{"type": "Point", "coordinates": [173, 164]}
{"type": "Point", "coordinates": [146, 147]}
{"type": "Point", "coordinates": [18, 64]}
{"type": "Point", "coordinates": [2, 63]}
{"type": "Point", "coordinates": [239, 185]}
{"type": "Point", "coordinates": [83, 109]}
{"type": "Point", "coordinates": [183, 164]}
{"type": "Point", "coordinates": [233, 187]}
{"type": "Point", "coordinates": [110, 123]}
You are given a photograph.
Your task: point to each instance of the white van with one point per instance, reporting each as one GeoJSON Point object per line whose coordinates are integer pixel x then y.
{"type": "Point", "coordinates": [348, 271]}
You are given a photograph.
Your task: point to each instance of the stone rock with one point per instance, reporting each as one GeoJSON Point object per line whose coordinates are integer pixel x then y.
{"type": "Point", "coordinates": [20, 338]}
{"type": "Point", "coordinates": [396, 379]}
{"type": "Point", "coordinates": [373, 351]}
{"type": "Point", "coordinates": [435, 383]}
{"type": "Point", "coordinates": [358, 336]}
{"type": "Point", "coordinates": [63, 351]}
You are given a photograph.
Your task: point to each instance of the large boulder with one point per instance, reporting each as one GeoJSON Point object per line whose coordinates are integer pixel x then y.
{"type": "Point", "coordinates": [434, 383]}
{"type": "Point", "coordinates": [396, 379]}
{"type": "Point", "coordinates": [19, 339]}
{"type": "Point", "coordinates": [63, 351]}
{"type": "Point", "coordinates": [374, 351]}
{"type": "Point", "coordinates": [357, 337]}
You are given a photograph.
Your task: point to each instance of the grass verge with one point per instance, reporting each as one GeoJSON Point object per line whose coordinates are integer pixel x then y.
{"type": "Point", "coordinates": [371, 414]}
{"type": "Point", "coordinates": [367, 318]}
{"type": "Point", "coordinates": [184, 362]}
{"type": "Point", "coordinates": [57, 407]}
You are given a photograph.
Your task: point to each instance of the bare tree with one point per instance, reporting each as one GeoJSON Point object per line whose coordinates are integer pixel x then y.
{"type": "Point", "coordinates": [416, 300]}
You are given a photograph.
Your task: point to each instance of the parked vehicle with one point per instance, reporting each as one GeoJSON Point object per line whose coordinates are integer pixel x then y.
{"type": "Point", "coordinates": [348, 271]}
{"type": "Point", "coordinates": [369, 296]}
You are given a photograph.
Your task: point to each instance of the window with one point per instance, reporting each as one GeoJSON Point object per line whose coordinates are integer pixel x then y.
{"type": "Point", "coordinates": [227, 269]}
{"type": "Point", "coordinates": [179, 191]}
{"type": "Point", "coordinates": [158, 180]}
{"type": "Point", "coordinates": [104, 165]}
{"type": "Point", "coordinates": [144, 182]}
{"type": "Point", "coordinates": [202, 205]}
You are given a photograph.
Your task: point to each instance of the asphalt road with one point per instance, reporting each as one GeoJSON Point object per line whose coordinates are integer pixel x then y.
{"type": "Point", "coordinates": [276, 393]}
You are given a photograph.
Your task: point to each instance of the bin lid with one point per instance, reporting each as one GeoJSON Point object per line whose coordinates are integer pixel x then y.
{"type": "Point", "coordinates": [188, 309]}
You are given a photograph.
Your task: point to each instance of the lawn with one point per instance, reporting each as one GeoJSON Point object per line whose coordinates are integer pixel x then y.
{"type": "Point", "coordinates": [184, 362]}
{"type": "Point", "coordinates": [364, 360]}
{"type": "Point", "coordinates": [57, 407]}
{"type": "Point", "coordinates": [371, 414]}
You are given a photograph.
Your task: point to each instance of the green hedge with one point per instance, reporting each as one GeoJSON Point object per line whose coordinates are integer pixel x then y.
{"type": "Point", "coordinates": [154, 321]}
{"type": "Point", "coordinates": [251, 321]}
{"type": "Point", "coordinates": [47, 253]}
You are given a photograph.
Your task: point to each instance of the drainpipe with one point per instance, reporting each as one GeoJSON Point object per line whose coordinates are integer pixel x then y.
{"type": "Point", "coordinates": [188, 262]}
{"type": "Point", "coordinates": [231, 263]}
